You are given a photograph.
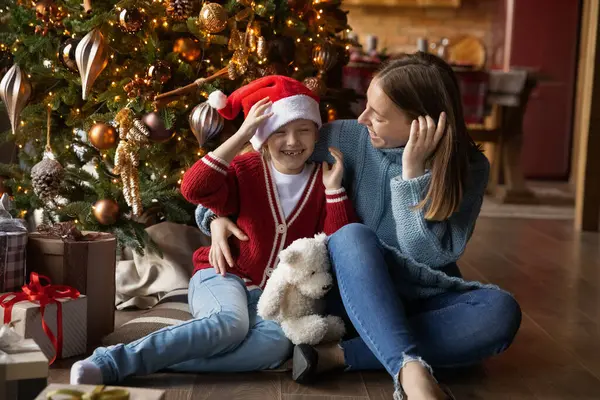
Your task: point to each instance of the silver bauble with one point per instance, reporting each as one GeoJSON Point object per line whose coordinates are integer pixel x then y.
{"type": "Point", "coordinates": [205, 122]}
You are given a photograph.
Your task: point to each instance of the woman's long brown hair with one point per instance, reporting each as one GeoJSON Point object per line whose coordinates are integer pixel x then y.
{"type": "Point", "coordinates": [423, 84]}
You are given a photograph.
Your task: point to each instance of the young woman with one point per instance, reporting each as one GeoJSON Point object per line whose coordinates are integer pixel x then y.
{"type": "Point", "coordinates": [278, 198]}
{"type": "Point", "coordinates": [417, 186]}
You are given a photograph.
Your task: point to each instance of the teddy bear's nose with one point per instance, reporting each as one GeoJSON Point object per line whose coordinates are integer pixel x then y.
{"type": "Point", "coordinates": [327, 287]}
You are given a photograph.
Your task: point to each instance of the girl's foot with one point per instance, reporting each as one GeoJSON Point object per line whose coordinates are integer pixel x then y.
{"type": "Point", "coordinates": [85, 373]}
{"type": "Point", "coordinates": [308, 361]}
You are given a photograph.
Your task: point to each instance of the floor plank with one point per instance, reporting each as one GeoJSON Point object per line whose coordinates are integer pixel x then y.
{"type": "Point", "coordinates": [252, 386]}
{"type": "Point", "coordinates": [309, 397]}
{"type": "Point", "coordinates": [349, 384]}
{"type": "Point", "coordinates": [553, 272]}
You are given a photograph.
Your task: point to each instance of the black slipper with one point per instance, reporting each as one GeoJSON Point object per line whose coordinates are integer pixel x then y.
{"type": "Point", "coordinates": [304, 364]}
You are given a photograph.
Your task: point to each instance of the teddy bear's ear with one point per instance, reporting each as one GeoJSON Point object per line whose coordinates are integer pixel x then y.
{"type": "Point", "coordinates": [290, 257]}
{"type": "Point", "coordinates": [321, 237]}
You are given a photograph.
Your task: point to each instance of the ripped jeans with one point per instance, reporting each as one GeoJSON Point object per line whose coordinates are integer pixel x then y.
{"type": "Point", "coordinates": [449, 330]}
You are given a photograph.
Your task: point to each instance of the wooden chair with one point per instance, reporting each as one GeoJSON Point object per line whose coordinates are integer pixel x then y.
{"type": "Point", "coordinates": [495, 103]}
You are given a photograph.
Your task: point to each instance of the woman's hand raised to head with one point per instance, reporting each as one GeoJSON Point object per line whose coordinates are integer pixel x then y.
{"type": "Point", "coordinates": [424, 138]}
{"type": "Point", "coordinates": [219, 256]}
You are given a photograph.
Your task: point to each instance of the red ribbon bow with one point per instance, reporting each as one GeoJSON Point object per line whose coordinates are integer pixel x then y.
{"type": "Point", "coordinates": [35, 292]}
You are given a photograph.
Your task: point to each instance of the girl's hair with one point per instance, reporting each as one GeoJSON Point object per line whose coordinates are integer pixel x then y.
{"type": "Point", "coordinates": [423, 84]}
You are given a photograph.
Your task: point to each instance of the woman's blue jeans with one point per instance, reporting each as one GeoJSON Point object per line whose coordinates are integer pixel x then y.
{"type": "Point", "coordinates": [448, 330]}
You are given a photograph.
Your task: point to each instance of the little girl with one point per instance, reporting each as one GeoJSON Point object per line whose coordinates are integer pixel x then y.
{"type": "Point", "coordinates": [278, 198]}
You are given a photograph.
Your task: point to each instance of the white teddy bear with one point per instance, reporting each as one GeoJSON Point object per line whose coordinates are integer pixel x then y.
{"type": "Point", "coordinates": [293, 296]}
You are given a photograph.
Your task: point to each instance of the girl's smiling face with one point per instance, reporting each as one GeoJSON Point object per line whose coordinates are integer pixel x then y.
{"type": "Point", "coordinates": [291, 145]}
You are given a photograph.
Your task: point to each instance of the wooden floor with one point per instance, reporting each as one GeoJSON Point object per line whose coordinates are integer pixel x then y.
{"type": "Point", "coordinates": [555, 275]}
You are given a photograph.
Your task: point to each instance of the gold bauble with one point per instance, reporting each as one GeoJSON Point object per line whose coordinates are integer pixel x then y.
{"type": "Point", "coordinates": [106, 211]}
{"type": "Point", "coordinates": [103, 136]}
{"type": "Point", "coordinates": [131, 20]}
{"type": "Point", "coordinates": [213, 17]}
{"type": "Point", "coordinates": [188, 49]}
{"type": "Point", "coordinates": [324, 56]}
{"type": "Point", "coordinates": [316, 85]}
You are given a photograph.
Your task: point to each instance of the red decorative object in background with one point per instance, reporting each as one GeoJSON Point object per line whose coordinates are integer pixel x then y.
{"type": "Point", "coordinates": [473, 89]}
{"type": "Point", "coordinates": [358, 76]}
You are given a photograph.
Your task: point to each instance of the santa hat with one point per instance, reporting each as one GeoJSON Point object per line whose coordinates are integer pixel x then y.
{"type": "Point", "coordinates": [291, 101]}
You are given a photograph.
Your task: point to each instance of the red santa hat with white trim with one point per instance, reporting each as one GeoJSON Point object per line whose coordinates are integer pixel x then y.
{"type": "Point", "coordinates": [291, 101]}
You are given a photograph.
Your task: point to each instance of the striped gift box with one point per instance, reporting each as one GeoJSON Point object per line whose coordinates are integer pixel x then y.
{"type": "Point", "coordinates": [13, 247]}
{"type": "Point", "coordinates": [172, 309]}
{"type": "Point", "coordinates": [27, 321]}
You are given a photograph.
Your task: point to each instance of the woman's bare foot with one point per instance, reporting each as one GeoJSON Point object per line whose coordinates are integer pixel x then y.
{"type": "Point", "coordinates": [418, 384]}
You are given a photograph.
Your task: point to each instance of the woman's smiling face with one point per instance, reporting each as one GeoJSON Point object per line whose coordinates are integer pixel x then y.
{"type": "Point", "coordinates": [388, 125]}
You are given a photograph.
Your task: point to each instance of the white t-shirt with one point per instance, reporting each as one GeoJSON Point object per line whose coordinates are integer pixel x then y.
{"type": "Point", "coordinates": [290, 187]}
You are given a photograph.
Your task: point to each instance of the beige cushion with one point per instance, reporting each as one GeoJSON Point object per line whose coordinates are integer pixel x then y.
{"type": "Point", "coordinates": [172, 309]}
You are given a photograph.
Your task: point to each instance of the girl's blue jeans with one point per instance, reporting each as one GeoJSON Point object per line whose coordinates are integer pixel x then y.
{"type": "Point", "coordinates": [226, 335]}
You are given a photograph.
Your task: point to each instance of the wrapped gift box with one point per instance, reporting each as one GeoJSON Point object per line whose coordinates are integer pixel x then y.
{"type": "Point", "coordinates": [122, 393]}
{"type": "Point", "coordinates": [26, 317]}
{"type": "Point", "coordinates": [23, 370]}
{"type": "Point", "coordinates": [13, 244]}
{"type": "Point", "coordinates": [12, 260]}
{"type": "Point", "coordinates": [87, 265]}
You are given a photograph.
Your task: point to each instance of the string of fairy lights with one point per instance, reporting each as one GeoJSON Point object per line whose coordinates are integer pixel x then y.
{"type": "Point", "coordinates": [143, 25]}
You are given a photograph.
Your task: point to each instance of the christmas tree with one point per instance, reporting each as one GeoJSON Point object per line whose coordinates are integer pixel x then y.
{"type": "Point", "coordinates": [107, 98]}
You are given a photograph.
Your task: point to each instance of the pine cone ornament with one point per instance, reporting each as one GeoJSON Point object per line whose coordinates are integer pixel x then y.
{"type": "Point", "coordinates": [139, 87]}
{"type": "Point", "coordinates": [46, 178]}
{"type": "Point", "coordinates": [180, 10]}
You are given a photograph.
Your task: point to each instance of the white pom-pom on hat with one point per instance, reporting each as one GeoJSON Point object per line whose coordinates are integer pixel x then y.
{"type": "Point", "coordinates": [217, 100]}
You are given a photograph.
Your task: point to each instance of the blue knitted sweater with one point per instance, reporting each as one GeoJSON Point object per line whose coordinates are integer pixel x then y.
{"type": "Point", "coordinates": [420, 253]}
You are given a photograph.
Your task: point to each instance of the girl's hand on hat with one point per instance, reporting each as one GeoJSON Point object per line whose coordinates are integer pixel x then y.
{"type": "Point", "coordinates": [333, 174]}
{"type": "Point", "coordinates": [232, 146]}
{"type": "Point", "coordinates": [256, 116]}
{"type": "Point", "coordinates": [424, 138]}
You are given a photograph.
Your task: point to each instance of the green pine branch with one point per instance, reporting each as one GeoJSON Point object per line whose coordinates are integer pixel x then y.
{"type": "Point", "coordinates": [130, 56]}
